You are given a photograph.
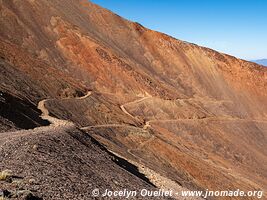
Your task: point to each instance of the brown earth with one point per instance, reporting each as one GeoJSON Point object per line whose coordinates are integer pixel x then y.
{"type": "Point", "coordinates": [194, 116]}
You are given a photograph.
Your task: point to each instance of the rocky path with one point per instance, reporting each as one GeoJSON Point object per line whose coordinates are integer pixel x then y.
{"type": "Point", "coordinates": [132, 102]}
{"type": "Point", "coordinates": [148, 123]}
{"type": "Point", "coordinates": [105, 126]}
{"type": "Point", "coordinates": [55, 123]}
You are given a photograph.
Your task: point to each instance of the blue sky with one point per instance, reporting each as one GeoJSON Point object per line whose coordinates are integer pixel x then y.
{"type": "Point", "coordinates": [236, 27]}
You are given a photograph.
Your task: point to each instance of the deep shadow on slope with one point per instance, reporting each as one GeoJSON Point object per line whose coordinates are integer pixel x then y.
{"type": "Point", "coordinates": [22, 113]}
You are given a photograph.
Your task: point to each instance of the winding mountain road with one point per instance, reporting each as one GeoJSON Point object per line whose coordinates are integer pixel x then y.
{"type": "Point", "coordinates": [54, 125]}
{"type": "Point", "coordinates": [55, 121]}
{"type": "Point", "coordinates": [106, 126]}
{"type": "Point", "coordinates": [136, 101]}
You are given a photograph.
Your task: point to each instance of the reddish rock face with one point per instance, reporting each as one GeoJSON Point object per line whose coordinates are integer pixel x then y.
{"type": "Point", "coordinates": [191, 114]}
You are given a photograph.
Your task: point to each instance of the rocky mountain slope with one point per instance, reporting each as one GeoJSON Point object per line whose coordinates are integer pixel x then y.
{"type": "Point", "coordinates": [172, 110]}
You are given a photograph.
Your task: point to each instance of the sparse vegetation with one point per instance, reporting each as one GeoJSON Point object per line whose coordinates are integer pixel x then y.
{"type": "Point", "coordinates": [5, 175]}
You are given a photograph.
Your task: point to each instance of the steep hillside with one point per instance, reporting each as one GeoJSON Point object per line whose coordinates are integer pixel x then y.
{"type": "Point", "coordinates": [193, 116]}
{"type": "Point", "coordinates": [62, 164]}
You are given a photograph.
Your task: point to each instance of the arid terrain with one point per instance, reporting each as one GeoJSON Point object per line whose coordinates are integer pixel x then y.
{"type": "Point", "coordinates": [91, 100]}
